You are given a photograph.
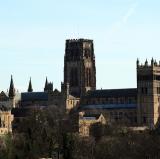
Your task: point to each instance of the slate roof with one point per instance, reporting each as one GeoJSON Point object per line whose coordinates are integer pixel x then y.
{"type": "Point", "coordinates": [4, 96]}
{"type": "Point", "coordinates": [96, 116]}
{"type": "Point", "coordinates": [106, 93]}
{"type": "Point", "coordinates": [108, 106]}
{"type": "Point", "coordinates": [34, 96]}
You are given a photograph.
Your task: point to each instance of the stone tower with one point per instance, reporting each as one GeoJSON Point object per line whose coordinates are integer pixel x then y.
{"type": "Point", "coordinates": [148, 86]}
{"type": "Point", "coordinates": [79, 66]}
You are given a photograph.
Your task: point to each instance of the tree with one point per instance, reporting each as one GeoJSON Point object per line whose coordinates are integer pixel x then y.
{"type": "Point", "coordinates": [40, 133]}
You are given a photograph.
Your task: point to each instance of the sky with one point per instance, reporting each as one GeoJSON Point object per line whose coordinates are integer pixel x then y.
{"type": "Point", "coordinates": [33, 34]}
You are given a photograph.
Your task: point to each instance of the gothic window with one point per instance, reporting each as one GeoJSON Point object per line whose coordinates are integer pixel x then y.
{"type": "Point", "coordinates": [88, 77]}
{"type": "Point", "coordinates": [87, 53]}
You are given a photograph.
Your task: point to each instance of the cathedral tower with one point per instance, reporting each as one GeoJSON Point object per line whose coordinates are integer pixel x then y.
{"type": "Point", "coordinates": [148, 86]}
{"type": "Point", "coordinates": [79, 66]}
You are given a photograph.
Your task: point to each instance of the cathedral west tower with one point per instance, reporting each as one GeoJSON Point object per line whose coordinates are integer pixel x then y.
{"type": "Point", "coordinates": [79, 66]}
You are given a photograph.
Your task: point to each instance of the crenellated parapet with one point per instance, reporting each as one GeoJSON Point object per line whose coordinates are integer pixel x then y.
{"type": "Point", "coordinates": [78, 40]}
{"type": "Point", "coordinates": [153, 63]}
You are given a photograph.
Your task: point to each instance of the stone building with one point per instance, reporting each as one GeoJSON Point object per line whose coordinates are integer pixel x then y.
{"type": "Point", "coordinates": [130, 106]}
{"type": "Point", "coordinates": [148, 93]}
{"type": "Point", "coordinates": [117, 105]}
{"type": "Point", "coordinates": [87, 120]}
{"type": "Point", "coordinates": [133, 107]}
{"type": "Point", "coordinates": [6, 119]}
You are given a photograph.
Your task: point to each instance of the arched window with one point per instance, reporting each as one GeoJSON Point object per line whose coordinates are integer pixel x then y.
{"type": "Point", "coordinates": [88, 77]}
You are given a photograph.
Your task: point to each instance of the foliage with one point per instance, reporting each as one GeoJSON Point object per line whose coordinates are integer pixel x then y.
{"type": "Point", "coordinates": [45, 132]}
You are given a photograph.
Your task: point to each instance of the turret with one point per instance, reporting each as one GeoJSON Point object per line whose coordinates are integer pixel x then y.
{"type": "Point", "coordinates": [30, 89]}
{"type": "Point", "coordinates": [152, 62]}
{"type": "Point", "coordinates": [137, 62]}
{"type": "Point", "coordinates": [146, 63]}
{"type": "Point", "coordinates": [48, 86]}
{"type": "Point", "coordinates": [11, 89]}
{"type": "Point", "coordinates": [65, 89]}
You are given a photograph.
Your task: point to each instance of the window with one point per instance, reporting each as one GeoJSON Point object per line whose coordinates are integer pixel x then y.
{"type": "Point", "coordinates": [158, 90]}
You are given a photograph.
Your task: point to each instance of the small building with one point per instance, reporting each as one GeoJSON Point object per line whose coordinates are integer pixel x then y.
{"type": "Point", "coordinates": [87, 120]}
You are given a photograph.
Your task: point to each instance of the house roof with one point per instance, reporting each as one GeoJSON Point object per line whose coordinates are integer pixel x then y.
{"type": "Point", "coordinates": [106, 93]}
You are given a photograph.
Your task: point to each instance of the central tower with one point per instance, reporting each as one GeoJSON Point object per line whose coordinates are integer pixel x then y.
{"type": "Point", "coordinates": [79, 66]}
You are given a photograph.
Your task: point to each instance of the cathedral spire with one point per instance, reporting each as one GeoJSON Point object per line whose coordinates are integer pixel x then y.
{"type": "Point", "coordinates": [30, 89]}
{"type": "Point", "coordinates": [11, 89]}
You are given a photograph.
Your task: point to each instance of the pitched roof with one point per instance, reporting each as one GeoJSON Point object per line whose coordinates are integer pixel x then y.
{"type": "Point", "coordinates": [104, 93]}
{"type": "Point", "coordinates": [3, 96]}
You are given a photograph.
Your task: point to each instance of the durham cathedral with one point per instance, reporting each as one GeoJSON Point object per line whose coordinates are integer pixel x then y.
{"type": "Point", "coordinates": [130, 106]}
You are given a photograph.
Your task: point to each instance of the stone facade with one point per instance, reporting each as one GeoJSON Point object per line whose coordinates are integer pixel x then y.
{"type": "Point", "coordinates": [117, 105]}
{"type": "Point", "coordinates": [148, 85]}
{"type": "Point", "coordinates": [87, 120]}
{"type": "Point", "coordinates": [79, 66]}
{"type": "Point", "coordinates": [6, 119]}
{"type": "Point", "coordinates": [131, 106]}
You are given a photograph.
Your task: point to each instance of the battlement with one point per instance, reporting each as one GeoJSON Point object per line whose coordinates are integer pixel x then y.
{"type": "Point", "coordinates": [146, 64]}
{"type": "Point", "coordinates": [78, 40]}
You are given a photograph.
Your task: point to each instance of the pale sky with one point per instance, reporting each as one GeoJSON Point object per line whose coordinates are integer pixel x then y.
{"type": "Point", "coordinates": [33, 34]}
